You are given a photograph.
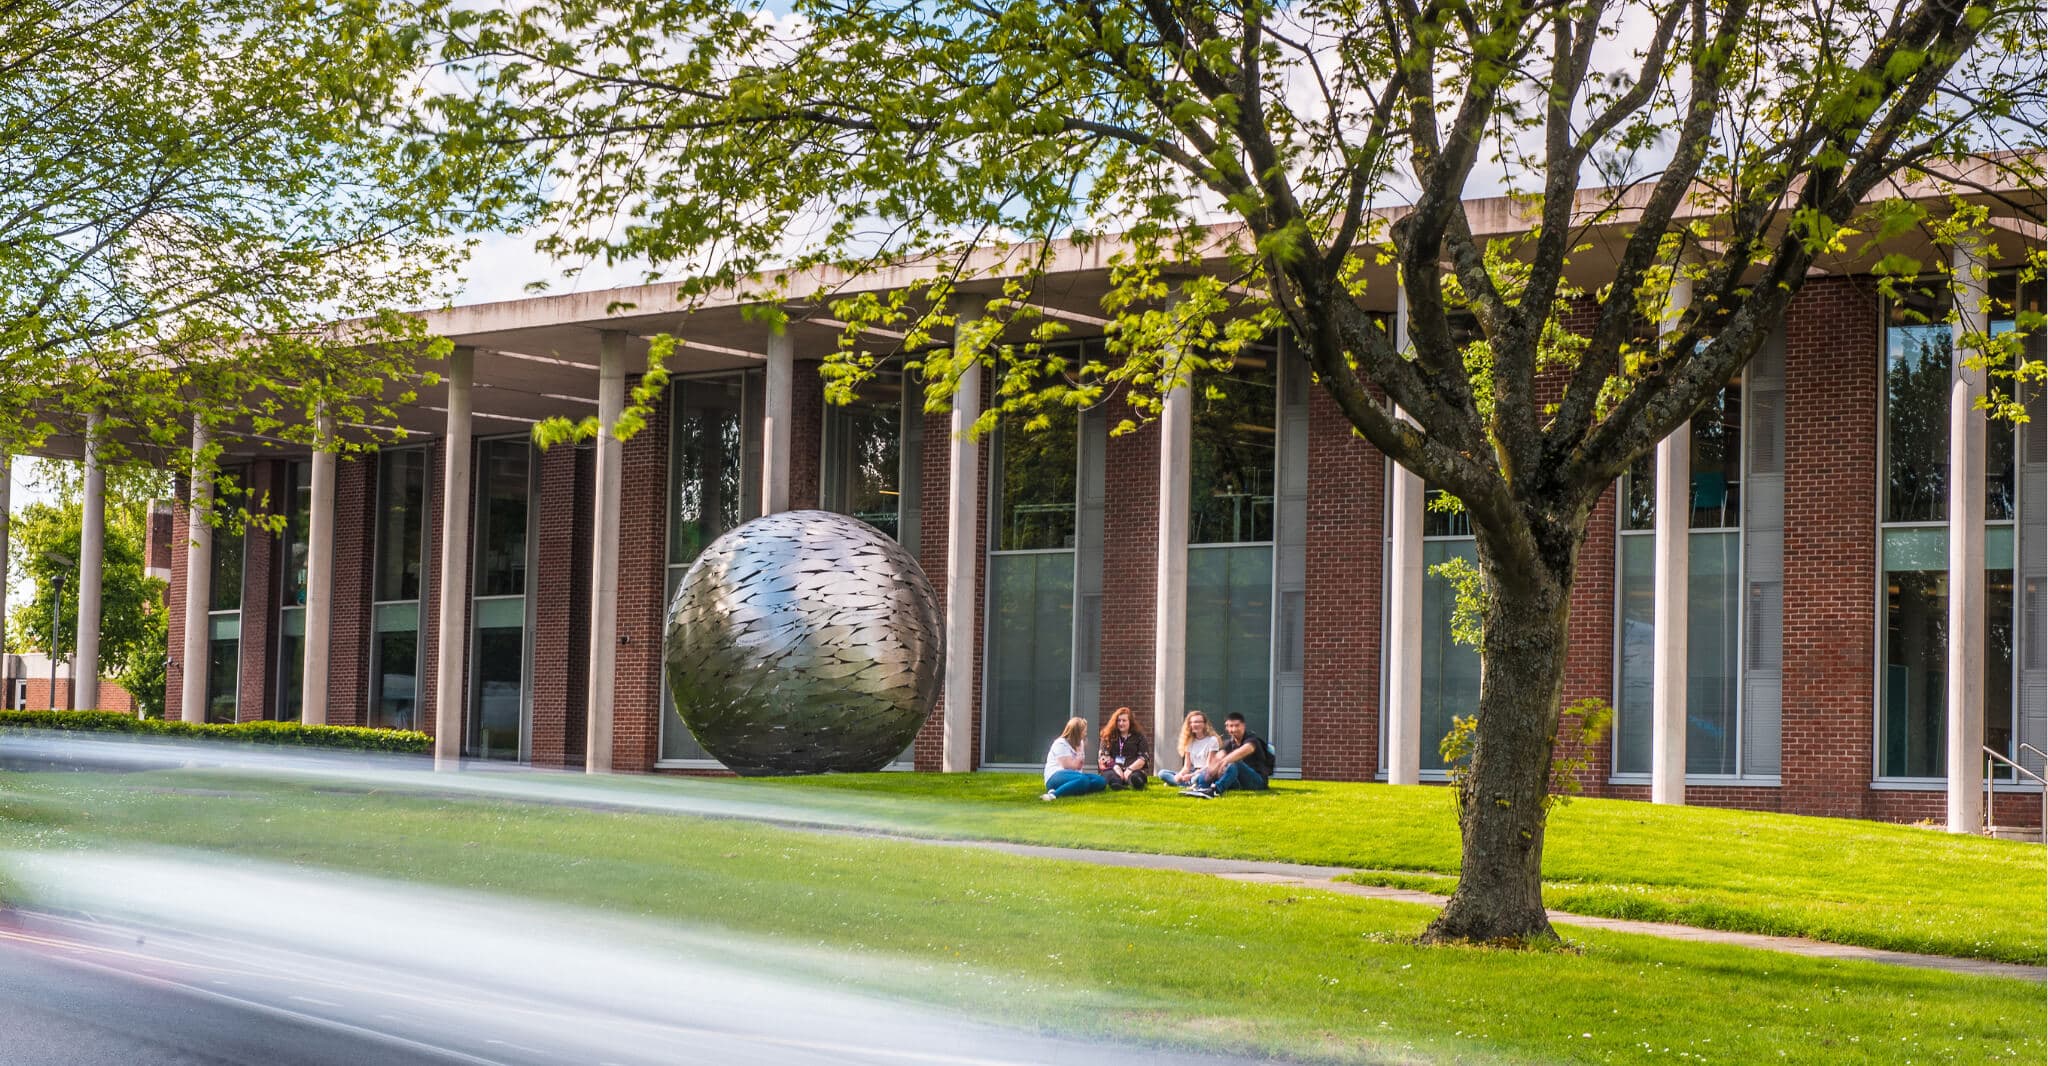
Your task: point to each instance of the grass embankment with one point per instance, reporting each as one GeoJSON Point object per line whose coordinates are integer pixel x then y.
{"type": "Point", "coordinates": [1180, 958]}
{"type": "Point", "coordinates": [1834, 879]}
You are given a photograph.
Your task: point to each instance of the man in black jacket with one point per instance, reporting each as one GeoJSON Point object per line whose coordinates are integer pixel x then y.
{"type": "Point", "coordinates": [1244, 761]}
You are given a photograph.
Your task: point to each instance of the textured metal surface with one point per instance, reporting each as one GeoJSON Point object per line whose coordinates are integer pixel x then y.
{"type": "Point", "coordinates": [804, 642]}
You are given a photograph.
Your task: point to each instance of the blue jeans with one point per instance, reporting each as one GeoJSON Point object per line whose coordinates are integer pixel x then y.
{"type": "Point", "coordinates": [1236, 775]}
{"type": "Point", "coordinates": [1175, 779]}
{"type": "Point", "coordinates": [1075, 783]}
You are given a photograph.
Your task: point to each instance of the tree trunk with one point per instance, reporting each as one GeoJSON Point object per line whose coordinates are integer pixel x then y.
{"type": "Point", "coordinates": [1503, 800]}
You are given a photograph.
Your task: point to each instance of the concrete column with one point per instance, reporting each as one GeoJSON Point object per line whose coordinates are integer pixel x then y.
{"type": "Point", "coordinates": [198, 583]}
{"type": "Point", "coordinates": [1170, 582]}
{"type": "Point", "coordinates": [92, 554]}
{"type": "Point", "coordinates": [963, 523]}
{"type": "Point", "coordinates": [452, 639]}
{"type": "Point", "coordinates": [319, 579]}
{"type": "Point", "coordinates": [1672, 550]}
{"type": "Point", "coordinates": [1404, 605]}
{"type": "Point", "coordinates": [775, 430]}
{"type": "Point", "coordinates": [604, 554]}
{"type": "Point", "coordinates": [1966, 591]}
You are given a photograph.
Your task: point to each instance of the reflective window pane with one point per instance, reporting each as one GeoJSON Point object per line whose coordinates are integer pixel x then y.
{"type": "Point", "coordinates": [1450, 670]}
{"type": "Point", "coordinates": [394, 679]}
{"type": "Point", "coordinates": [1713, 621]}
{"type": "Point", "coordinates": [864, 453]}
{"type": "Point", "coordinates": [1918, 356]}
{"type": "Point", "coordinates": [1030, 653]}
{"type": "Point", "coordinates": [706, 491]}
{"type": "Point", "coordinates": [497, 685]}
{"type": "Point", "coordinates": [502, 479]}
{"type": "Point", "coordinates": [1234, 452]}
{"type": "Point", "coordinates": [1037, 483]}
{"type": "Point", "coordinates": [401, 523]}
{"type": "Point", "coordinates": [1229, 633]}
{"type": "Point", "coordinates": [223, 678]}
{"type": "Point", "coordinates": [226, 594]}
{"type": "Point", "coordinates": [299, 493]}
{"type": "Point", "coordinates": [1634, 717]}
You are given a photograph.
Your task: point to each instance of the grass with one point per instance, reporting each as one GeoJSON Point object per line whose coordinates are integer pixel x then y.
{"type": "Point", "coordinates": [1852, 882]}
{"type": "Point", "coordinates": [1069, 945]}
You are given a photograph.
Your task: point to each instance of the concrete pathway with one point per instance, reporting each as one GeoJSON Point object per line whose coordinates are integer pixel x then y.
{"type": "Point", "coordinates": [1323, 878]}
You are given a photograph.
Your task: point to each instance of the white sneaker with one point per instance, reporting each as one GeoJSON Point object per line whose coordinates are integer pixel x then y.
{"type": "Point", "coordinates": [1049, 796]}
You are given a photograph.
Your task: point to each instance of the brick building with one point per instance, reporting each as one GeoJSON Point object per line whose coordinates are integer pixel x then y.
{"type": "Point", "coordinates": [1244, 552]}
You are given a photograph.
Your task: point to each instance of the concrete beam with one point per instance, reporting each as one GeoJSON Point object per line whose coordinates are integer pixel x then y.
{"type": "Point", "coordinates": [775, 430]}
{"type": "Point", "coordinates": [92, 555]}
{"type": "Point", "coordinates": [1672, 551]}
{"type": "Point", "coordinates": [604, 555]}
{"type": "Point", "coordinates": [319, 580]}
{"type": "Point", "coordinates": [1405, 499]}
{"type": "Point", "coordinates": [1966, 585]}
{"type": "Point", "coordinates": [963, 524]}
{"type": "Point", "coordinates": [453, 644]}
{"type": "Point", "coordinates": [1170, 577]}
{"type": "Point", "coordinates": [198, 583]}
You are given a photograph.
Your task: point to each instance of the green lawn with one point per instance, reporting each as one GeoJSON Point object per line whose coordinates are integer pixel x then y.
{"type": "Point", "coordinates": [1841, 880]}
{"type": "Point", "coordinates": [1060, 944]}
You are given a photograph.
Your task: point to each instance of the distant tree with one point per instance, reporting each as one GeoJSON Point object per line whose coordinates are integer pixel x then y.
{"type": "Point", "coordinates": [1734, 145]}
{"type": "Point", "coordinates": [44, 550]}
{"type": "Point", "coordinates": [191, 192]}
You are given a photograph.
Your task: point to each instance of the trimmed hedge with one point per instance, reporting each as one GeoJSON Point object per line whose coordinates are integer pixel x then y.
{"type": "Point", "coordinates": [278, 734]}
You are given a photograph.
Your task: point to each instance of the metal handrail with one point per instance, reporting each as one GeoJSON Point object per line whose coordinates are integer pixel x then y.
{"type": "Point", "coordinates": [1989, 757]}
{"type": "Point", "coordinates": [2030, 749]}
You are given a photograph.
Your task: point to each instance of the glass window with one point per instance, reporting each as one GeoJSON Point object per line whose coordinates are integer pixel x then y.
{"type": "Point", "coordinates": [1031, 652]}
{"type": "Point", "coordinates": [503, 469]}
{"type": "Point", "coordinates": [1031, 587]}
{"type": "Point", "coordinates": [863, 460]}
{"type": "Point", "coordinates": [497, 683]}
{"type": "Point", "coordinates": [401, 524]}
{"type": "Point", "coordinates": [712, 489]}
{"type": "Point", "coordinates": [1919, 357]}
{"type": "Point", "coordinates": [1713, 599]}
{"type": "Point", "coordinates": [223, 669]}
{"type": "Point", "coordinates": [706, 492]}
{"type": "Point", "coordinates": [1229, 632]}
{"type": "Point", "coordinates": [227, 570]}
{"type": "Point", "coordinates": [1234, 453]}
{"type": "Point", "coordinates": [395, 618]}
{"type": "Point", "coordinates": [1450, 670]}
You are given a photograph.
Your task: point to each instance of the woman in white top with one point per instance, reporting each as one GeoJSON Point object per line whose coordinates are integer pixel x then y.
{"type": "Point", "coordinates": [1063, 773]}
{"type": "Point", "coordinates": [1198, 744]}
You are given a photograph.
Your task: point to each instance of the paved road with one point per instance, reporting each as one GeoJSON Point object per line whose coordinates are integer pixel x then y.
{"type": "Point", "coordinates": [149, 967]}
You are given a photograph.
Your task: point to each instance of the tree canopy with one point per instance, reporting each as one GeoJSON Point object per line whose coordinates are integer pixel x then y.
{"type": "Point", "coordinates": [1261, 166]}
{"type": "Point", "coordinates": [191, 192]}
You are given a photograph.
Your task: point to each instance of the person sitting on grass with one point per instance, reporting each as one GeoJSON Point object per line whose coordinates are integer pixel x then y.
{"type": "Point", "coordinates": [1123, 757]}
{"type": "Point", "coordinates": [1063, 773]}
{"type": "Point", "coordinates": [1244, 760]}
{"type": "Point", "coordinates": [1197, 743]}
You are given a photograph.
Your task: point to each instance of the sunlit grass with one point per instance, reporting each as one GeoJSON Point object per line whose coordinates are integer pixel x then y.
{"type": "Point", "coordinates": [1853, 882]}
{"type": "Point", "coordinates": [1176, 957]}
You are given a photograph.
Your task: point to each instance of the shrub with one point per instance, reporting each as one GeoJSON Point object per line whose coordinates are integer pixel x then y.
{"type": "Point", "coordinates": [277, 734]}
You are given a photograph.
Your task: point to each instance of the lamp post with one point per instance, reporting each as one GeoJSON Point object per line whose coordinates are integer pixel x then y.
{"type": "Point", "coordinates": [64, 564]}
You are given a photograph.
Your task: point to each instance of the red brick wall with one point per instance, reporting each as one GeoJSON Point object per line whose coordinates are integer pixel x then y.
{"type": "Point", "coordinates": [1130, 570]}
{"type": "Point", "coordinates": [157, 536]}
{"type": "Point", "coordinates": [807, 437]}
{"type": "Point", "coordinates": [1831, 412]}
{"type": "Point", "coordinates": [1340, 714]}
{"type": "Point", "coordinates": [112, 696]}
{"type": "Point", "coordinates": [355, 516]}
{"type": "Point", "coordinates": [430, 588]}
{"type": "Point", "coordinates": [174, 595]}
{"type": "Point", "coordinates": [257, 689]}
{"type": "Point", "coordinates": [643, 575]}
{"type": "Point", "coordinates": [561, 635]}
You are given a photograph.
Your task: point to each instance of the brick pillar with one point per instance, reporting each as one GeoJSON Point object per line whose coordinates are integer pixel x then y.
{"type": "Point", "coordinates": [1589, 661]}
{"type": "Point", "coordinates": [174, 598]}
{"type": "Point", "coordinates": [806, 444]}
{"type": "Point", "coordinates": [1340, 713]}
{"type": "Point", "coordinates": [643, 578]}
{"type": "Point", "coordinates": [257, 689]}
{"type": "Point", "coordinates": [1831, 445]}
{"type": "Point", "coordinates": [430, 591]}
{"type": "Point", "coordinates": [561, 635]}
{"type": "Point", "coordinates": [348, 662]}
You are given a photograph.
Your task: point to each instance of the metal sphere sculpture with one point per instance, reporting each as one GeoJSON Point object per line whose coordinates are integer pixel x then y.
{"type": "Point", "coordinates": [804, 642]}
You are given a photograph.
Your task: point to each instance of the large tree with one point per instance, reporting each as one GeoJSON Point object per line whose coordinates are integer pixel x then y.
{"type": "Point", "coordinates": [1263, 164]}
{"type": "Point", "coordinates": [190, 192]}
